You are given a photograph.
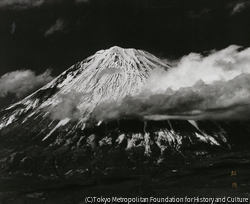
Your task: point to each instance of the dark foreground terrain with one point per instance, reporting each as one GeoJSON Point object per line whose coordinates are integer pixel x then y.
{"type": "Point", "coordinates": [128, 158]}
{"type": "Point", "coordinates": [203, 177]}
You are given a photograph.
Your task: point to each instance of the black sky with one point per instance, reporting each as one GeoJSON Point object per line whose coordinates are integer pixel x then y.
{"type": "Point", "coordinates": [166, 28]}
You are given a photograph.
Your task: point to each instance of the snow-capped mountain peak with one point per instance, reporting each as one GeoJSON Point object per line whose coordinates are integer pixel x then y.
{"type": "Point", "coordinates": [107, 75]}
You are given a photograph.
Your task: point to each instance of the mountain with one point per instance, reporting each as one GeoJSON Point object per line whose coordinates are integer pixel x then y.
{"type": "Point", "coordinates": [51, 131]}
{"type": "Point", "coordinates": [108, 75]}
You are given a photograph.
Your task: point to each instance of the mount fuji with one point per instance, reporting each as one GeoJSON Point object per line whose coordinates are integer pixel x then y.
{"type": "Point", "coordinates": [51, 131]}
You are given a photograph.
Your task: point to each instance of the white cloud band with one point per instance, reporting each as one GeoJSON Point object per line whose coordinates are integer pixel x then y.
{"type": "Point", "coordinates": [22, 82]}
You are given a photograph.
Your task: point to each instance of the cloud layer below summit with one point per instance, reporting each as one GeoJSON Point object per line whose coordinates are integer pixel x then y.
{"type": "Point", "coordinates": [216, 86]}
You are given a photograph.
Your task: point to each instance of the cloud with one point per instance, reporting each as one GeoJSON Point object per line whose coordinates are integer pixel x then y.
{"type": "Point", "coordinates": [220, 65]}
{"type": "Point", "coordinates": [67, 108]}
{"type": "Point", "coordinates": [22, 82]}
{"type": "Point", "coordinates": [239, 7]}
{"type": "Point", "coordinates": [21, 4]}
{"type": "Point", "coordinates": [213, 87]}
{"type": "Point", "coordinates": [57, 27]}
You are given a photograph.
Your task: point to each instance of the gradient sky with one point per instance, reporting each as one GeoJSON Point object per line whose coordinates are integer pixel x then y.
{"type": "Point", "coordinates": [37, 35]}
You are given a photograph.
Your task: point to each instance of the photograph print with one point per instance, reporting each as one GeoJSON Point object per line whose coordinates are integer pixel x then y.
{"type": "Point", "coordinates": [124, 101]}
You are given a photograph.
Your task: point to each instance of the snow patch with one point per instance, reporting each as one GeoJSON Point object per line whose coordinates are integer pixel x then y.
{"type": "Point", "coordinates": [61, 123]}
{"type": "Point", "coordinates": [120, 138]}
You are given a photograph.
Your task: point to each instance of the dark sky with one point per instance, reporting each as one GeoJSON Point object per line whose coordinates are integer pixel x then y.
{"type": "Point", "coordinates": [38, 35]}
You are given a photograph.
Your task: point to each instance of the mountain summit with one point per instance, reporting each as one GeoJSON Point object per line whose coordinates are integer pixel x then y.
{"type": "Point", "coordinates": [107, 75]}
{"type": "Point", "coordinates": [52, 128]}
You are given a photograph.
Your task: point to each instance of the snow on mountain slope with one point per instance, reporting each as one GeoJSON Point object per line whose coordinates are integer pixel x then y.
{"type": "Point", "coordinates": [52, 128]}
{"type": "Point", "coordinates": [107, 75]}
{"type": "Point", "coordinates": [67, 101]}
